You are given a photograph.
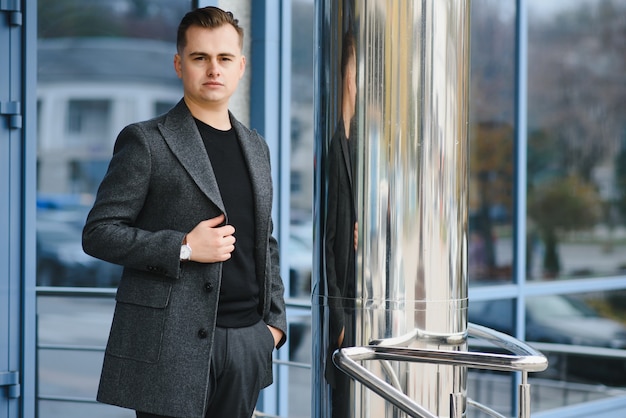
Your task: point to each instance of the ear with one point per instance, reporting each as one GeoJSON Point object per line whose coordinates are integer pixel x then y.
{"type": "Point", "coordinates": [348, 84]}
{"type": "Point", "coordinates": [178, 66]}
{"type": "Point", "coordinates": [242, 66]}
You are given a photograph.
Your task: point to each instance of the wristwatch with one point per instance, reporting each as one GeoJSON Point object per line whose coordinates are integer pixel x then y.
{"type": "Point", "coordinates": [185, 251]}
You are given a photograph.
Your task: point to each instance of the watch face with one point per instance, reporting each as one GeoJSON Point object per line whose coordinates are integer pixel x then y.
{"type": "Point", "coordinates": [185, 252]}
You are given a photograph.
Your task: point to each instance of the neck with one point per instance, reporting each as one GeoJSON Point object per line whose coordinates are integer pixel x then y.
{"type": "Point", "coordinates": [346, 127]}
{"type": "Point", "coordinates": [216, 117]}
{"type": "Point", "coordinates": [347, 113]}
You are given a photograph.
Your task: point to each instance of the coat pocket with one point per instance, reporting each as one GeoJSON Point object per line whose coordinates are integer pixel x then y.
{"type": "Point", "coordinates": [139, 319]}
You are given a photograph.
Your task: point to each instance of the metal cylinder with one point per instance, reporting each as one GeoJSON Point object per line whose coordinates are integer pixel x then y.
{"type": "Point", "coordinates": [391, 187]}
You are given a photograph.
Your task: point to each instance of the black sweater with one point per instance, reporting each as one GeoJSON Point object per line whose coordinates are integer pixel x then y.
{"type": "Point", "coordinates": [239, 292]}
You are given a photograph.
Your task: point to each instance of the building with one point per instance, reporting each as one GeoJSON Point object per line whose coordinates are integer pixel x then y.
{"type": "Point", "coordinates": [547, 135]}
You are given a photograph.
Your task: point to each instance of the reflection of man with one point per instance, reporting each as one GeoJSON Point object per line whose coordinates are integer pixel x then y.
{"type": "Point", "coordinates": [340, 237]}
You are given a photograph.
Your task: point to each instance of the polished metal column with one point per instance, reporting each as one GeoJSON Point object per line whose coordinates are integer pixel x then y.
{"type": "Point", "coordinates": [391, 198]}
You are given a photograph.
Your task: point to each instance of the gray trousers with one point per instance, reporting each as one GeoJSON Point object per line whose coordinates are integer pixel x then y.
{"type": "Point", "coordinates": [240, 361]}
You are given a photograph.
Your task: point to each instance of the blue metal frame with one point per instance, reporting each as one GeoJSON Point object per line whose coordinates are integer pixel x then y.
{"type": "Point", "coordinates": [17, 140]}
{"type": "Point", "coordinates": [270, 63]}
{"type": "Point", "coordinates": [520, 169]}
{"type": "Point", "coordinates": [29, 208]}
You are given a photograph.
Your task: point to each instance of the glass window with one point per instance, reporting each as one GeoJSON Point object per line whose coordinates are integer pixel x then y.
{"type": "Point", "coordinates": [300, 247]}
{"type": "Point", "coordinates": [587, 322]}
{"type": "Point", "coordinates": [492, 114]}
{"type": "Point", "coordinates": [92, 81]}
{"type": "Point", "coordinates": [576, 139]}
{"type": "Point", "coordinates": [101, 65]}
{"type": "Point", "coordinates": [574, 331]}
{"type": "Point", "coordinates": [161, 107]}
{"type": "Point", "coordinates": [88, 119]}
{"type": "Point", "coordinates": [494, 314]}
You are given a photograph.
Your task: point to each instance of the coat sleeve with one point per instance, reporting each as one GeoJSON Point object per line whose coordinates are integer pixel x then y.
{"type": "Point", "coordinates": [332, 243]}
{"type": "Point", "coordinates": [111, 231]}
{"type": "Point", "coordinates": [274, 312]}
{"type": "Point", "coordinates": [277, 316]}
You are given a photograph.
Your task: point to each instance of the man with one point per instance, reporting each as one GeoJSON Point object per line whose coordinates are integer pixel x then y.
{"type": "Point", "coordinates": [341, 231]}
{"type": "Point", "coordinates": [185, 207]}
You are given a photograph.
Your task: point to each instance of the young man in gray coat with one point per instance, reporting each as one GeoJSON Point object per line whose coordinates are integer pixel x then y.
{"type": "Point", "coordinates": [186, 207]}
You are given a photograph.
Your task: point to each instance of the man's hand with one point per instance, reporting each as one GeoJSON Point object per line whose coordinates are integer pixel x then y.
{"type": "Point", "coordinates": [276, 333]}
{"type": "Point", "coordinates": [211, 243]}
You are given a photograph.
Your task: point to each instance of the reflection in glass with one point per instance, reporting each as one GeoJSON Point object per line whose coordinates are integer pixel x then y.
{"type": "Point", "coordinates": [101, 66]}
{"type": "Point", "coordinates": [589, 321]}
{"type": "Point", "coordinates": [69, 357]}
{"type": "Point", "coordinates": [391, 202]}
{"type": "Point", "coordinates": [492, 61]}
{"type": "Point", "coordinates": [495, 314]}
{"type": "Point", "coordinates": [576, 143]}
{"type": "Point", "coordinates": [300, 251]}
{"type": "Point", "coordinates": [299, 248]}
{"type": "Point", "coordinates": [340, 235]}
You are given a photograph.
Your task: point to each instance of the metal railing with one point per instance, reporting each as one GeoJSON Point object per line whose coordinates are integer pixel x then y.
{"type": "Point", "coordinates": [378, 349]}
{"type": "Point", "coordinates": [524, 359]}
{"type": "Point", "coordinates": [85, 292]}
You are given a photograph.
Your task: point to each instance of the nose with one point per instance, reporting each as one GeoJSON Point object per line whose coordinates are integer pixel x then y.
{"type": "Point", "coordinates": [213, 68]}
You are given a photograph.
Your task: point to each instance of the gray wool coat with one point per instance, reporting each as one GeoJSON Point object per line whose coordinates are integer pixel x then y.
{"type": "Point", "coordinates": [159, 186]}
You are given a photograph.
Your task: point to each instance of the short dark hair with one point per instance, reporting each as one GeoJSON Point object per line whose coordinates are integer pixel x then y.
{"type": "Point", "coordinates": [348, 51]}
{"type": "Point", "coordinates": [206, 17]}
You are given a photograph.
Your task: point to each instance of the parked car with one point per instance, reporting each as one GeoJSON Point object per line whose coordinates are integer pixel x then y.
{"type": "Point", "coordinates": [300, 257]}
{"type": "Point", "coordinates": [61, 260]}
{"type": "Point", "coordinates": [562, 319]}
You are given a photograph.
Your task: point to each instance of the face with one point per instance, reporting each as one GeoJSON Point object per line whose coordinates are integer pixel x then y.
{"type": "Point", "coordinates": [350, 84]}
{"type": "Point", "coordinates": [210, 66]}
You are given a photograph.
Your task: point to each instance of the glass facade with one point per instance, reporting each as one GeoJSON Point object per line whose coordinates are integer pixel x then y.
{"type": "Point", "coordinates": [576, 136]}
{"type": "Point", "coordinates": [492, 131]}
{"type": "Point", "coordinates": [101, 66]}
{"type": "Point", "coordinates": [565, 289]}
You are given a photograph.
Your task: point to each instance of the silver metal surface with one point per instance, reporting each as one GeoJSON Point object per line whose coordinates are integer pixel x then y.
{"type": "Point", "coordinates": [524, 400]}
{"type": "Point", "coordinates": [523, 358]}
{"type": "Point", "coordinates": [398, 179]}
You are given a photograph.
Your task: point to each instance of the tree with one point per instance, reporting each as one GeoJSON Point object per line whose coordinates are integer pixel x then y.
{"type": "Point", "coordinates": [563, 204]}
{"type": "Point", "coordinates": [491, 182]}
{"type": "Point", "coordinates": [576, 108]}
{"type": "Point", "coordinates": [491, 129]}
{"type": "Point", "coordinates": [577, 83]}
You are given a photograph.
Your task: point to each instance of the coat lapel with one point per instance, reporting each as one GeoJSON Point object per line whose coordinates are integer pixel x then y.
{"type": "Point", "coordinates": [259, 169]}
{"type": "Point", "coordinates": [181, 135]}
{"type": "Point", "coordinates": [345, 151]}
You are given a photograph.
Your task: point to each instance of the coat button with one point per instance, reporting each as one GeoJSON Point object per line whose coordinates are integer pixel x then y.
{"type": "Point", "coordinates": [202, 333]}
{"type": "Point", "coordinates": [208, 287]}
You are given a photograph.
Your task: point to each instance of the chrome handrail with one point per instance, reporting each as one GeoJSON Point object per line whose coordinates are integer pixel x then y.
{"type": "Point", "coordinates": [524, 358]}
{"type": "Point", "coordinates": [484, 409]}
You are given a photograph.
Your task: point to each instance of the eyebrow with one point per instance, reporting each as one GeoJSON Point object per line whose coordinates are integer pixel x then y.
{"type": "Point", "coordinates": [204, 54]}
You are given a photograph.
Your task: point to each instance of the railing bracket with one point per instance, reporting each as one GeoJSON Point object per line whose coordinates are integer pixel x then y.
{"type": "Point", "coordinates": [13, 111]}
{"type": "Point", "coordinates": [11, 380]}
